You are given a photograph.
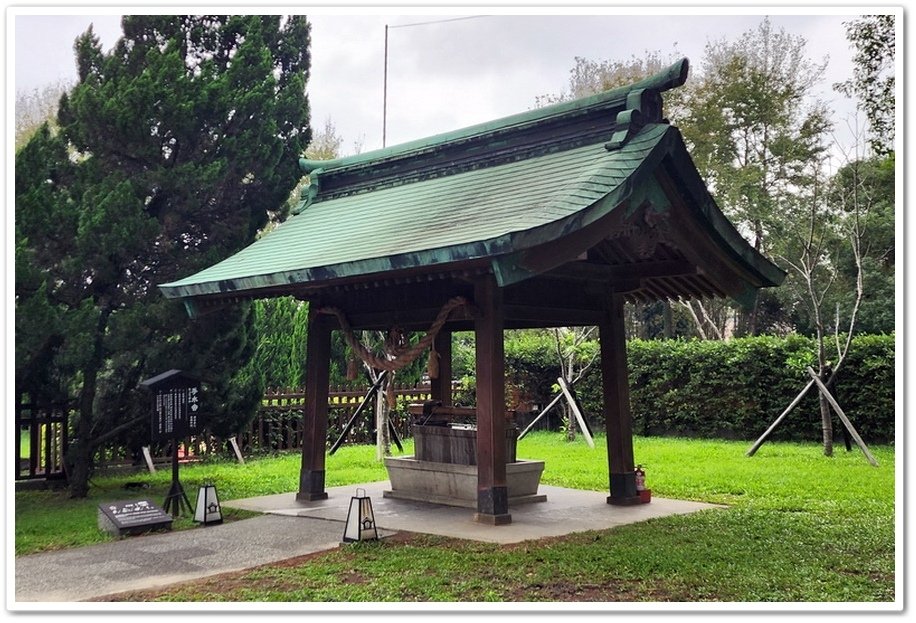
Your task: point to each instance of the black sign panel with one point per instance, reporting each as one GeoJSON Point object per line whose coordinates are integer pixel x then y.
{"type": "Point", "coordinates": [132, 517]}
{"type": "Point", "coordinates": [175, 412]}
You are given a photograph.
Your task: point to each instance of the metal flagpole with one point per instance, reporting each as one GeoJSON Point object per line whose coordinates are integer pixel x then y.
{"type": "Point", "coordinates": [385, 90]}
{"type": "Point", "coordinates": [385, 77]}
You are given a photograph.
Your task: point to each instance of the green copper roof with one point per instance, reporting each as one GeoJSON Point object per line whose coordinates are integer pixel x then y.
{"type": "Point", "coordinates": [485, 192]}
{"type": "Point", "coordinates": [461, 216]}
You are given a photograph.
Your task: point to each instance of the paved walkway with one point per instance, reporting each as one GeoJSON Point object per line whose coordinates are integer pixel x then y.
{"type": "Point", "coordinates": [157, 560]}
{"type": "Point", "coordinates": [290, 528]}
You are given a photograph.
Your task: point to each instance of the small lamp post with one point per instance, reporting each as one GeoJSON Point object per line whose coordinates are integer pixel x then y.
{"type": "Point", "coordinates": [360, 519]}
{"type": "Point", "coordinates": [208, 509]}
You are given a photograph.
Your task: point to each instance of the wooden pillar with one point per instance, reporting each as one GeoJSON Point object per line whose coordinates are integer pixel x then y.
{"type": "Point", "coordinates": [441, 387]}
{"type": "Point", "coordinates": [617, 417]}
{"type": "Point", "coordinates": [492, 489]}
{"type": "Point", "coordinates": [315, 413]}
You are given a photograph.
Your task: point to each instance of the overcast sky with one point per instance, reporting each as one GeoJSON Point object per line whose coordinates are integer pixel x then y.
{"type": "Point", "coordinates": [455, 72]}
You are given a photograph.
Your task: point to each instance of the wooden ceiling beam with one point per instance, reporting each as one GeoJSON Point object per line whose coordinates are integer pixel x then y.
{"type": "Point", "coordinates": [604, 273]}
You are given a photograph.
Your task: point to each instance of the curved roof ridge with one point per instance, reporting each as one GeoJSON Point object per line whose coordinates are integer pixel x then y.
{"type": "Point", "coordinates": [671, 77]}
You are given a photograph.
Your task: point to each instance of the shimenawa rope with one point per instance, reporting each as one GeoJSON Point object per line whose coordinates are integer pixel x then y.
{"type": "Point", "coordinates": [403, 356]}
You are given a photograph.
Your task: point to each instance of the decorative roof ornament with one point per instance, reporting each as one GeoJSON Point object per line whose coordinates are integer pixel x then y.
{"type": "Point", "coordinates": [644, 106]}
{"type": "Point", "coordinates": [313, 168]}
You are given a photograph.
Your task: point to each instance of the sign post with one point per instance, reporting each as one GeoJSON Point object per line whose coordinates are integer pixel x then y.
{"type": "Point", "coordinates": [176, 406]}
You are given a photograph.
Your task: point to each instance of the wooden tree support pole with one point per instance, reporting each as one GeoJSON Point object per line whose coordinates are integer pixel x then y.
{"type": "Point", "coordinates": [553, 402]}
{"type": "Point", "coordinates": [233, 441]}
{"type": "Point", "coordinates": [147, 457]}
{"type": "Point", "coordinates": [781, 417]}
{"type": "Point", "coordinates": [394, 436]}
{"type": "Point", "coordinates": [845, 420]}
{"type": "Point", "coordinates": [366, 400]}
{"type": "Point", "coordinates": [574, 407]}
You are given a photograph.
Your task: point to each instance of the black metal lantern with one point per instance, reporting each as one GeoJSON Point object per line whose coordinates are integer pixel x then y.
{"type": "Point", "coordinates": [208, 509]}
{"type": "Point", "coordinates": [360, 519]}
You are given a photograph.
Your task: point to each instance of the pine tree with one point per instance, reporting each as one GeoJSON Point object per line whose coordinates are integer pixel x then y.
{"type": "Point", "coordinates": [173, 150]}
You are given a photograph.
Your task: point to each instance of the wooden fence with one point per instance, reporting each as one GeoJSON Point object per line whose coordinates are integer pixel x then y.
{"type": "Point", "coordinates": [276, 427]}
{"type": "Point", "coordinates": [278, 423]}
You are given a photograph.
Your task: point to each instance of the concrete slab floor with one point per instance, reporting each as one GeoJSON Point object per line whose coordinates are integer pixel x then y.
{"type": "Point", "coordinates": [566, 511]}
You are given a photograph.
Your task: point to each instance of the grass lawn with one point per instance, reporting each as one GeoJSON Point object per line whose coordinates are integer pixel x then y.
{"type": "Point", "coordinates": [799, 527]}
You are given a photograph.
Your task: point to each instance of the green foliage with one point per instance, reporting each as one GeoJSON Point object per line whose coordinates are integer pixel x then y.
{"type": "Point", "coordinates": [281, 326]}
{"type": "Point", "coordinates": [865, 190]}
{"type": "Point", "coordinates": [873, 81]}
{"type": "Point", "coordinates": [727, 390]}
{"type": "Point", "coordinates": [174, 149]}
{"type": "Point", "coordinates": [716, 389]}
{"type": "Point", "coordinates": [865, 387]}
{"type": "Point", "coordinates": [735, 389]}
{"type": "Point", "coordinates": [750, 125]}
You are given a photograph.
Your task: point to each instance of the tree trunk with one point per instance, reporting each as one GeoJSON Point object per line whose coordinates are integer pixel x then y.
{"type": "Point", "coordinates": [569, 420]}
{"type": "Point", "coordinates": [79, 467]}
{"type": "Point", "coordinates": [79, 456]}
{"type": "Point", "coordinates": [668, 319]}
{"type": "Point", "coordinates": [382, 438]}
{"type": "Point", "coordinates": [826, 425]}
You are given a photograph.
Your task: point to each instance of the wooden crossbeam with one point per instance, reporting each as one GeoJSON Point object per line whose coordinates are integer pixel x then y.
{"type": "Point", "coordinates": [591, 271]}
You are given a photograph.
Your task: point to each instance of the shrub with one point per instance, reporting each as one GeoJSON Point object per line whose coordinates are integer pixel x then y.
{"type": "Point", "coordinates": [728, 390]}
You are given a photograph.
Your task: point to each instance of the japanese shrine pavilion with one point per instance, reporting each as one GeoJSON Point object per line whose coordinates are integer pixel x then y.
{"type": "Point", "coordinates": [552, 217]}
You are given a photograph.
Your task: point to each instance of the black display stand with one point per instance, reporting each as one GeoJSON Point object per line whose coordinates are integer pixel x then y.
{"type": "Point", "coordinates": [176, 402]}
{"type": "Point", "coordinates": [176, 495]}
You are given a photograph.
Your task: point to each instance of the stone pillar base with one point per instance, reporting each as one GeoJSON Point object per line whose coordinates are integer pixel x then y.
{"type": "Point", "coordinates": [493, 520]}
{"type": "Point", "coordinates": [311, 486]}
{"type": "Point", "coordinates": [630, 501]}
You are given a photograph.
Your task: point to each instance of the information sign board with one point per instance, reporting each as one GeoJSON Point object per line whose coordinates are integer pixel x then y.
{"type": "Point", "coordinates": [132, 517]}
{"type": "Point", "coordinates": [176, 405]}
{"type": "Point", "coordinates": [176, 412]}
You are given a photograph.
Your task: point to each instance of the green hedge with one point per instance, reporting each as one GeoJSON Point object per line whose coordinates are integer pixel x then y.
{"type": "Point", "coordinates": [731, 390]}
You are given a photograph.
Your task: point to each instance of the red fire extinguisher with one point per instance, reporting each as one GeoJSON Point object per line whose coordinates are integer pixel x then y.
{"type": "Point", "coordinates": [640, 478]}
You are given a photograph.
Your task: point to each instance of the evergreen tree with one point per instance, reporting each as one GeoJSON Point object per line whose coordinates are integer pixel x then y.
{"type": "Point", "coordinates": [174, 149]}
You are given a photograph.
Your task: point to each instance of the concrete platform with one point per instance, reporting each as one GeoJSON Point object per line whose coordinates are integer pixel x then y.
{"type": "Point", "coordinates": [564, 512]}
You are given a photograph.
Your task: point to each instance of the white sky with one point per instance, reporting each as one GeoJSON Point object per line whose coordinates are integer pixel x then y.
{"type": "Point", "coordinates": [451, 74]}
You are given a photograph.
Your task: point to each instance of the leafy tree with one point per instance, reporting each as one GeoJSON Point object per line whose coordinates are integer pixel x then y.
{"type": "Point", "coordinates": [174, 148]}
{"type": "Point", "coordinates": [753, 125]}
{"type": "Point", "coordinates": [873, 81]}
{"type": "Point", "coordinates": [588, 77]}
{"type": "Point", "coordinates": [839, 250]}
{"type": "Point", "coordinates": [35, 107]}
{"type": "Point", "coordinates": [577, 351]}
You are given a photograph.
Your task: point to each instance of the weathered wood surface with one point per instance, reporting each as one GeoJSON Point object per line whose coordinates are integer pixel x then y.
{"type": "Point", "coordinates": [458, 446]}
